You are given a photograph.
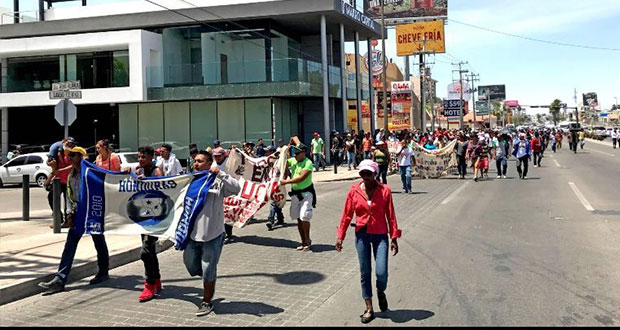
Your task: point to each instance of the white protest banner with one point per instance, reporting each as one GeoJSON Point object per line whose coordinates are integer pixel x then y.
{"type": "Point", "coordinates": [259, 179]}
{"type": "Point", "coordinates": [434, 163]}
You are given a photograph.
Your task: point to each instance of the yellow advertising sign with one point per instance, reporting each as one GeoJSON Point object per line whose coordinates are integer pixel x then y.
{"type": "Point", "coordinates": [420, 37]}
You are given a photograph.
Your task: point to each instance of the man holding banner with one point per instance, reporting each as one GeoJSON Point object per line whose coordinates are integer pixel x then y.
{"type": "Point", "coordinates": [148, 252]}
{"type": "Point", "coordinates": [206, 239]}
{"type": "Point", "coordinates": [303, 196]}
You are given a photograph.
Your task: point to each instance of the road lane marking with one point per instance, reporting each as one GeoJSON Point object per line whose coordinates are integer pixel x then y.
{"type": "Point", "coordinates": [583, 200]}
{"type": "Point", "coordinates": [454, 193]}
{"type": "Point", "coordinates": [604, 153]}
{"type": "Point", "coordinates": [556, 163]}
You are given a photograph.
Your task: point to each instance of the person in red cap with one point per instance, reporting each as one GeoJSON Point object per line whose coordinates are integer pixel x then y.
{"type": "Point", "coordinates": [371, 201]}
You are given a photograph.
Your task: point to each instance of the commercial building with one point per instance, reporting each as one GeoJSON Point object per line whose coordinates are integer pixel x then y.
{"type": "Point", "coordinates": [182, 71]}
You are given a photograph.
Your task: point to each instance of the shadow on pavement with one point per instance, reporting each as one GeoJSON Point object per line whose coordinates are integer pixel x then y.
{"type": "Point", "coordinates": [221, 307]}
{"type": "Point", "coordinates": [405, 315]}
{"type": "Point", "coordinates": [280, 242]}
{"type": "Point", "coordinates": [290, 278]}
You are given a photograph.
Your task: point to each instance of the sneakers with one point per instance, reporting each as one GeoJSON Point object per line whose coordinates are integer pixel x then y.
{"type": "Point", "coordinates": [204, 309]}
{"type": "Point", "coordinates": [100, 277]}
{"type": "Point", "coordinates": [149, 292]}
{"type": "Point", "coordinates": [525, 178]}
{"type": "Point", "coordinates": [476, 179]}
{"type": "Point", "coordinates": [504, 177]}
{"type": "Point", "coordinates": [158, 286]}
{"type": "Point", "coordinates": [383, 303]}
{"type": "Point", "coordinates": [499, 177]}
{"type": "Point", "coordinates": [53, 286]}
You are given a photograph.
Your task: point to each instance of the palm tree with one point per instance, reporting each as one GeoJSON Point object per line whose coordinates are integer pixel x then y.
{"type": "Point", "coordinates": [554, 109]}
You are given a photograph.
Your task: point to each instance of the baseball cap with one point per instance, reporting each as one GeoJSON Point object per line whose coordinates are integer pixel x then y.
{"type": "Point", "coordinates": [219, 151]}
{"type": "Point", "coordinates": [315, 134]}
{"type": "Point", "coordinates": [216, 141]}
{"type": "Point", "coordinates": [77, 150]}
{"type": "Point", "coordinates": [270, 148]}
{"type": "Point", "coordinates": [70, 139]}
{"type": "Point", "coordinates": [368, 165]}
{"type": "Point", "coordinates": [299, 148]}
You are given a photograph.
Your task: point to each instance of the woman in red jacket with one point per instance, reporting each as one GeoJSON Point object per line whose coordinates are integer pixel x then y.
{"type": "Point", "coordinates": [371, 201]}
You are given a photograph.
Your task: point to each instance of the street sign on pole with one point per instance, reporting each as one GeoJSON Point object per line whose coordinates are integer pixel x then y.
{"type": "Point", "coordinates": [66, 85]}
{"type": "Point", "coordinates": [65, 114]}
{"type": "Point", "coordinates": [64, 94]}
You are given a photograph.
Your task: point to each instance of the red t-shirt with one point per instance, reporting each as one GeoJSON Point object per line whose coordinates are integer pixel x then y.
{"type": "Point", "coordinates": [62, 163]}
{"type": "Point", "coordinates": [535, 144]}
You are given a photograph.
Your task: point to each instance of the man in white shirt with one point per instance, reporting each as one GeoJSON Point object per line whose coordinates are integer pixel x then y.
{"type": "Point", "coordinates": [615, 137]}
{"type": "Point", "coordinates": [206, 239]}
{"type": "Point", "coordinates": [168, 163]}
{"type": "Point", "coordinates": [404, 165]}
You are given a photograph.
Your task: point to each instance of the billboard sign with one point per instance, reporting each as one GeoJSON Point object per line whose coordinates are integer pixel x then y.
{"type": "Point", "coordinates": [402, 10]}
{"type": "Point", "coordinates": [512, 103]}
{"type": "Point", "coordinates": [590, 100]}
{"type": "Point", "coordinates": [482, 108]}
{"type": "Point", "coordinates": [376, 60]}
{"type": "Point", "coordinates": [496, 92]}
{"type": "Point", "coordinates": [454, 91]}
{"type": "Point", "coordinates": [420, 37]}
{"type": "Point", "coordinates": [401, 97]}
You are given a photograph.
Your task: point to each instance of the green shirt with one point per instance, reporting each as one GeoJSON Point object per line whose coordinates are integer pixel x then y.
{"type": "Point", "coordinates": [381, 158]}
{"type": "Point", "coordinates": [317, 146]}
{"type": "Point", "coordinates": [296, 168]}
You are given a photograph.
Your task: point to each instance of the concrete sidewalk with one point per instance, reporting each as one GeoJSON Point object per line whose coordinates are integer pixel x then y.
{"type": "Point", "coordinates": [30, 253]}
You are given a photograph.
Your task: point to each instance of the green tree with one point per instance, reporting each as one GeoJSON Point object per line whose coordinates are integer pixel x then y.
{"type": "Point", "coordinates": [554, 109]}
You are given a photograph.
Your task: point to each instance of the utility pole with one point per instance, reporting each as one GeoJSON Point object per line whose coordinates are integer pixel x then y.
{"type": "Point", "coordinates": [473, 77]}
{"type": "Point", "coordinates": [422, 110]}
{"type": "Point", "coordinates": [385, 109]}
{"type": "Point", "coordinates": [461, 71]}
{"type": "Point", "coordinates": [431, 95]}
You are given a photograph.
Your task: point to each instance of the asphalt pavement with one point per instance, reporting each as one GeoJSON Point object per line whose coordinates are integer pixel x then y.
{"type": "Point", "coordinates": [541, 251]}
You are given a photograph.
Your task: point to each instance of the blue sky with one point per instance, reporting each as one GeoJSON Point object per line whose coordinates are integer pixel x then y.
{"type": "Point", "coordinates": [533, 72]}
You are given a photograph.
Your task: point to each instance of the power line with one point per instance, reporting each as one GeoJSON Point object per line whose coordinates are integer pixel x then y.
{"type": "Point", "coordinates": [534, 39]}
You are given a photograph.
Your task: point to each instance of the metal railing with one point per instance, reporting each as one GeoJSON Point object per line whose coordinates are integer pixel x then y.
{"type": "Point", "coordinates": [9, 17]}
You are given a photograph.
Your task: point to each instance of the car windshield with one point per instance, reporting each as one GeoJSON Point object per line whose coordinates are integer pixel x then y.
{"type": "Point", "coordinates": [131, 158]}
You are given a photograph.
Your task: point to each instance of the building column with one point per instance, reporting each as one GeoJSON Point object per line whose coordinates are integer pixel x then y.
{"type": "Point", "coordinates": [344, 80]}
{"type": "Point", "coordinates": [4, 113]}
{"type": "Point", "coordinates": [41, 10]}
{"type": "Point", "coordinates": [325, 70]}
{"type": "Point", "coordinates": [358, 82]}
{"type": "Point", "coordinates": [371, 94]}
{"type": "Point", "coordinates": [15, 11]}
{"type": "Point", "coordinates": [5, 134]}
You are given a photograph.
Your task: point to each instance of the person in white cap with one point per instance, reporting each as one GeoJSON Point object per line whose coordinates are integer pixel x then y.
{"type": "Point", "coordinates": [371, 201]}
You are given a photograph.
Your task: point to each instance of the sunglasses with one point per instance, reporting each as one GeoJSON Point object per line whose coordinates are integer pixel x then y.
{"type": "Point", "coordinates": [366, 174]}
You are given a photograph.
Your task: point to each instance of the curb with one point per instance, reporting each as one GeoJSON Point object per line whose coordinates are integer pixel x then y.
{"type": "Point", "coordinates": [29, 288]}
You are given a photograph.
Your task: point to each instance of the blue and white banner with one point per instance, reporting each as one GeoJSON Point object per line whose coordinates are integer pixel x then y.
{"type": "Point", "coordinates": [120, 203]}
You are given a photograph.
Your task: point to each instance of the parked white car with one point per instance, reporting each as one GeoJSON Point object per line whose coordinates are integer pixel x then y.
{"type": "Point", "coordinates": [129, 160]}
{"type": "Point", "coordinates": [33, 164]}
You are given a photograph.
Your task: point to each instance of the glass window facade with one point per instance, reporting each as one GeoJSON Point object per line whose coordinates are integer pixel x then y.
{"type": "Point", "coordinates": [201, 122]}
{"type": "Point", "coordinates": [214, 55]}
{"type": "Point", "coordinates": [94, 70]}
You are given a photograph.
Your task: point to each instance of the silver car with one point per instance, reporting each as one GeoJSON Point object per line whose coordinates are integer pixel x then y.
{"type": "Point", "coordinates": [33, 164]}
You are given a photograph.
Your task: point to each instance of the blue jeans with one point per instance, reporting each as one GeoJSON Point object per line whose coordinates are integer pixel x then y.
{"type": "Point", "coordinates": [405, 177]}
{"type": "Point", "coordinates": [274, 211]}
{"type": "Point", "coordinates": [380, 247]}
{"type": "Point", "coordinates": [201, 258]}
{"type": "Point", "coordinates": [68, 254]}
{"type": "Point", "coordinates": [351, 159]}
{"type": "Point", "coordinates": [382, 174]}
{"type": "Point", "coordinates": [318, 160]}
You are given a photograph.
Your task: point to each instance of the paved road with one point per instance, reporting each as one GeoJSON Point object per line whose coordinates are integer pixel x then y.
{"type": "Point", "coordinates": [498, 252]}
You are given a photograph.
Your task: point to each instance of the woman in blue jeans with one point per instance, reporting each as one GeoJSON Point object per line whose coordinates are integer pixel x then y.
{"type": "Point", "coordinates": [371, 201]}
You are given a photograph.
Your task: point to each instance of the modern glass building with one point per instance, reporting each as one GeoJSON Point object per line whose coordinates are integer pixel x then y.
{"type": "Point", "coordinates": [233, 70]}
